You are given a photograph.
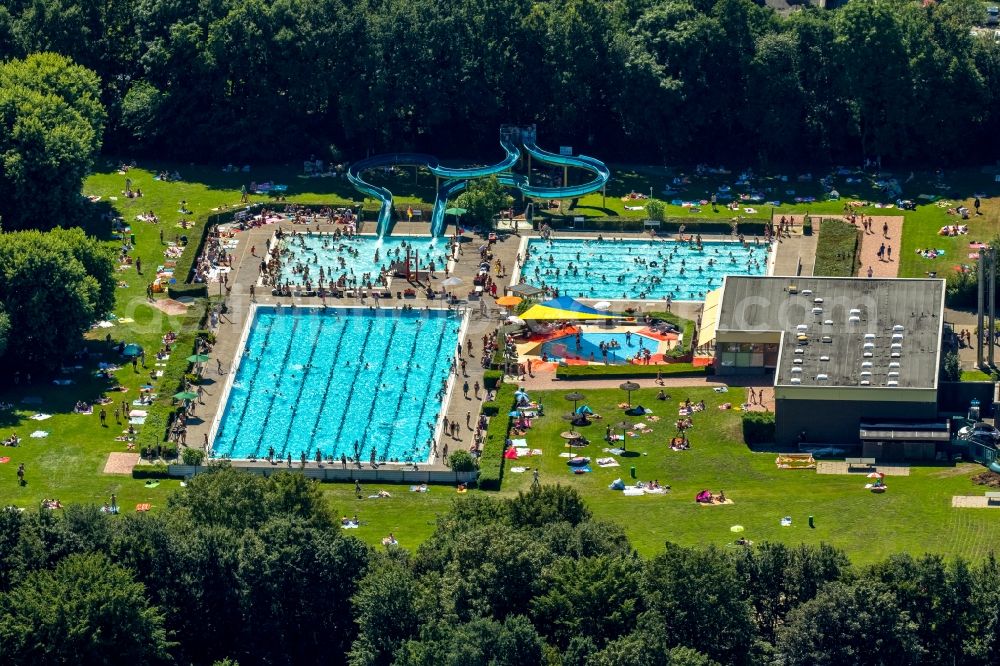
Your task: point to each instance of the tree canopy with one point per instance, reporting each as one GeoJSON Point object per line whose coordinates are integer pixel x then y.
{"type": "Point", "coordinates": [642, 80]}
{"type": "Point", "coordinates": [51, 127]}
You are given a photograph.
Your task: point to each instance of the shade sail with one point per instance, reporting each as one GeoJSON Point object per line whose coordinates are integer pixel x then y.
{"type": "Point", "coordinates": [543, 312]}
{"type": "Point", "coordinates": [571, 304]}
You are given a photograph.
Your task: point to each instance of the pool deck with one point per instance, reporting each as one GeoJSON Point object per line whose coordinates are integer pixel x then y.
{"type": "Point", "coordinates": [231, 328]}
{"type": "Point", "coordinates": [245, 273]}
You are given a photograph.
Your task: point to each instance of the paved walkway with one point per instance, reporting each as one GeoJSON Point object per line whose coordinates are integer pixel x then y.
{"type": "Point", "coordinates": [834, 467]}
{"type": "Point", "coordinates": [871, 242]}
{"type": "Point", "coordinates": [795, 249]}
{"type": "Point", "coordinates": [972, 502]}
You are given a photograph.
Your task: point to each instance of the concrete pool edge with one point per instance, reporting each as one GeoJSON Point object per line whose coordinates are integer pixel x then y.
{"type": "Point", "coordinates": [254, 308]}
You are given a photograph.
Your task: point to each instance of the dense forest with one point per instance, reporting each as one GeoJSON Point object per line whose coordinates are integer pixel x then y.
{"type": "Point", "coordinates": [640, 80]}
{"type": "Point", "coordinates": [256, 570]}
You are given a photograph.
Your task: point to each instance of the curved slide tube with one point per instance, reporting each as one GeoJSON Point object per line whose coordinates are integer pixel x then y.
{"type": "Point", "coordinates": [458, 178]}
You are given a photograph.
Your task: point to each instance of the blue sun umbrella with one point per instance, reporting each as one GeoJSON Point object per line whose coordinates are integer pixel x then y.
{"type": "Point", "coordinates": [132, 351]}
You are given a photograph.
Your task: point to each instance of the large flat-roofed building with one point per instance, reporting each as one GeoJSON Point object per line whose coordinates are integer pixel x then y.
{"type": "Point", "coordinates": [844, 351]}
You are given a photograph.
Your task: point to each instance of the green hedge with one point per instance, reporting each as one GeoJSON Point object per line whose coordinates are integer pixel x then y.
{"type": "Point", "coordinates": [194, 290]}
{"type": "Point", "coordinates": [491, 378]}
{"type": "Point", "coordinates": [758, 427]}
{"type": "Point", "coordinates": [627, 371]}
{"type": "Point", "coordinates": [156, 471]}
{"type": "Point", "coordinates": [491, 461]}
{"type": "Point", "coordinates": [837, 250]}
{"type": "Point", "coordinates": [490, 408]}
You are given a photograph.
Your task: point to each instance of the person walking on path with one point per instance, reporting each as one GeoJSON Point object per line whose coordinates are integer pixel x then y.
{"type": "Point", "coordinates": [870, 271]}
{"type": "Point", "coordinates": [465, 389]}
{"type": "Point", "coordinates": [881, 252]}
{"type": "Point", "coordinates": [888, 253]}
{"type": "Point", "coordinates": [885, 230]}
{"type": "Point", "coordinates": [475, 389]}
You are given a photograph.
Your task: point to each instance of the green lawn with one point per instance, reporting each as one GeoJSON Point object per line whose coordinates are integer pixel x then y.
{"type": "Point", "coordinates": [915, 515]}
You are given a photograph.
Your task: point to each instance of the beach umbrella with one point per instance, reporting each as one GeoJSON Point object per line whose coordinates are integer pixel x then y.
{"type": "Point", "coordinates": [451, 282]}
{"type": "Point", "coordinates": [571, 418]}
{"type": "Point", "coordinates": [628, 387]}
{"type": "Point", "coordinates": [455, 211]}
{"type": "Point", "coordinates": [876, 475]}
{"type": "Point", "coordinates": [132, 351]}
{"type": "Point", "coordinates": [517, 321]}
{"type": "Point", "coordinates": [197, 358]}
{"type": "Point", "coordinates": [185, 395]}
{"type": "Point", "coordinates": [574, 397]}
{"type": "Point", "coordinates": [509, 301]}
{"type": "Point", "coordinates": [602, 305]}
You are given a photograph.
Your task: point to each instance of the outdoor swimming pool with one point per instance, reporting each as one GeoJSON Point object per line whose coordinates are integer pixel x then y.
{"type": "Point", "coordinates": [335, 379]}
{"type": "Point", "coordinates": [637, 269]}
{"type": "Point", "coordinates": [590, 347]}
{"type": "Point", "coordinates": [353, 257]}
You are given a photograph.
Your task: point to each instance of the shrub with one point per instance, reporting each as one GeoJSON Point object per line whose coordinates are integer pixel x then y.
{"type": "Point", "coordinates": [491, 461]}
{"type": "Point", "coordinates": [461, 461]}
{"type": "Point", "coordinates": [155, 471]}
{"type": "Point", "coordinates": [193, 456]}
{"type": "Point", "coordinates": [491, 378]}
{"type": "Point", "coordinates": [196, 290]}
{"type": "Point", "coordinates": [627, 371]}
{"type": "Point", "coordinates": [758, 427]}
{"type": "Point", "coordinates": [490, 408]}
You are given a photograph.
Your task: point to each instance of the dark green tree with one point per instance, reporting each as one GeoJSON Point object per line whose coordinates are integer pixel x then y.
{"type": "Point", "coordinates": [482, 200]}
{"type": "Point", "coordinates": [88, 609]}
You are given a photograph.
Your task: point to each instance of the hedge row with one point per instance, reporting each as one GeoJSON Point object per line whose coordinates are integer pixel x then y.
{"type": "Point", "coordinates": [492, 378]}
{"type": "Point", "coordinates": [155, 471]}
{"type": "Point", "coordinates": [758, 427]}
{"type": "Point", "coordinates": [627, 371]}
{"type": "Point", "coordinates": [491, 461]}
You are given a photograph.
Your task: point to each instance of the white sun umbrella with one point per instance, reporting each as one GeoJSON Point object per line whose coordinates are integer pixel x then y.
{"type": "Point", "coordinates": [602, 305]}
{"type": "Point", "coordinates": [517, 321]}
{"type": "Point", "coordinates": [453, 281]}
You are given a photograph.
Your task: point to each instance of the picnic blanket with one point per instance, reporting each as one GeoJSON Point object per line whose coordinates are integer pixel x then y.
{"type": "Point", "coordinates": [40, 417]}
{"type": "Point", "coordinates": [38, 434]}
{"type": "Point", "coordinates": [143, 507]}
{"type": "Point", "coordinates": [607, 462]}
{"type": "Point", "coordinates": [633, 492]}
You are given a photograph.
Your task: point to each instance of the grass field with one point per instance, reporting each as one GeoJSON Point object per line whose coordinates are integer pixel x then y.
{"type": "Point", "coordinates": [915, 514]}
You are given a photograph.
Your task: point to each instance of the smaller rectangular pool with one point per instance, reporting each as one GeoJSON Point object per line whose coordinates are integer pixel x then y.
{"type": "Point", "coordinates": [638, 269]}
{"type": "Point", "coordinates": [610, 348]}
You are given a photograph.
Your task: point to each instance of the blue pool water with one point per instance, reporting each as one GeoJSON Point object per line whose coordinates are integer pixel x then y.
{"type": "Point", "coordinates": [326, 379]}
{"type": "Point", "coordinates": [590, 343]}
{"type": "Point", "coordinates": [635, 269]}
{"type": "Point", "coordinates": [354, 257]}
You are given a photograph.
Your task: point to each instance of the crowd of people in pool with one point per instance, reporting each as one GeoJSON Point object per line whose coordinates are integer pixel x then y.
{"type": "Point", "coordinates": [326, 262]}
{"type": "Point", "coordinates": [646, 276]}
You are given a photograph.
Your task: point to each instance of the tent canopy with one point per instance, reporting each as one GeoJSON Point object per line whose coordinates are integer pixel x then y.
{"type": "Point", "coordinates": [543, 312]}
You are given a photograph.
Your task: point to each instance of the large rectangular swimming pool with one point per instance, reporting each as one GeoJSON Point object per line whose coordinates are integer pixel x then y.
{"type": "Point", "coordinates": [343, 381]}
{"type": "Point", "coordinates": [638, 269]}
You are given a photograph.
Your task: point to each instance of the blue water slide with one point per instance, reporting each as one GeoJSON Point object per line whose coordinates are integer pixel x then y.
{"type": "Point", "coordinates": [378, 192]}
{"type": "Point", "coordinates": [601, 174]}
{"type": "Point", "coordinates": [448, 189]}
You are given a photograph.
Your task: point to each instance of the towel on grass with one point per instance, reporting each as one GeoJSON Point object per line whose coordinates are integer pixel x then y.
{"type": "Point", "coordinates": [519, 443]}
{"type": "Point", "coordinates": [607, 462]}
{"type": "Point", "coordinates": [518, 470]}
{"type": "Point", "coordinates": [579, 470]}
{"type": "Point", "coordinates": [633, 492]}
{"type": "Point", "coordinates": [41, 417]}
{"type": "Point", "coordinates": [38, 434]}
